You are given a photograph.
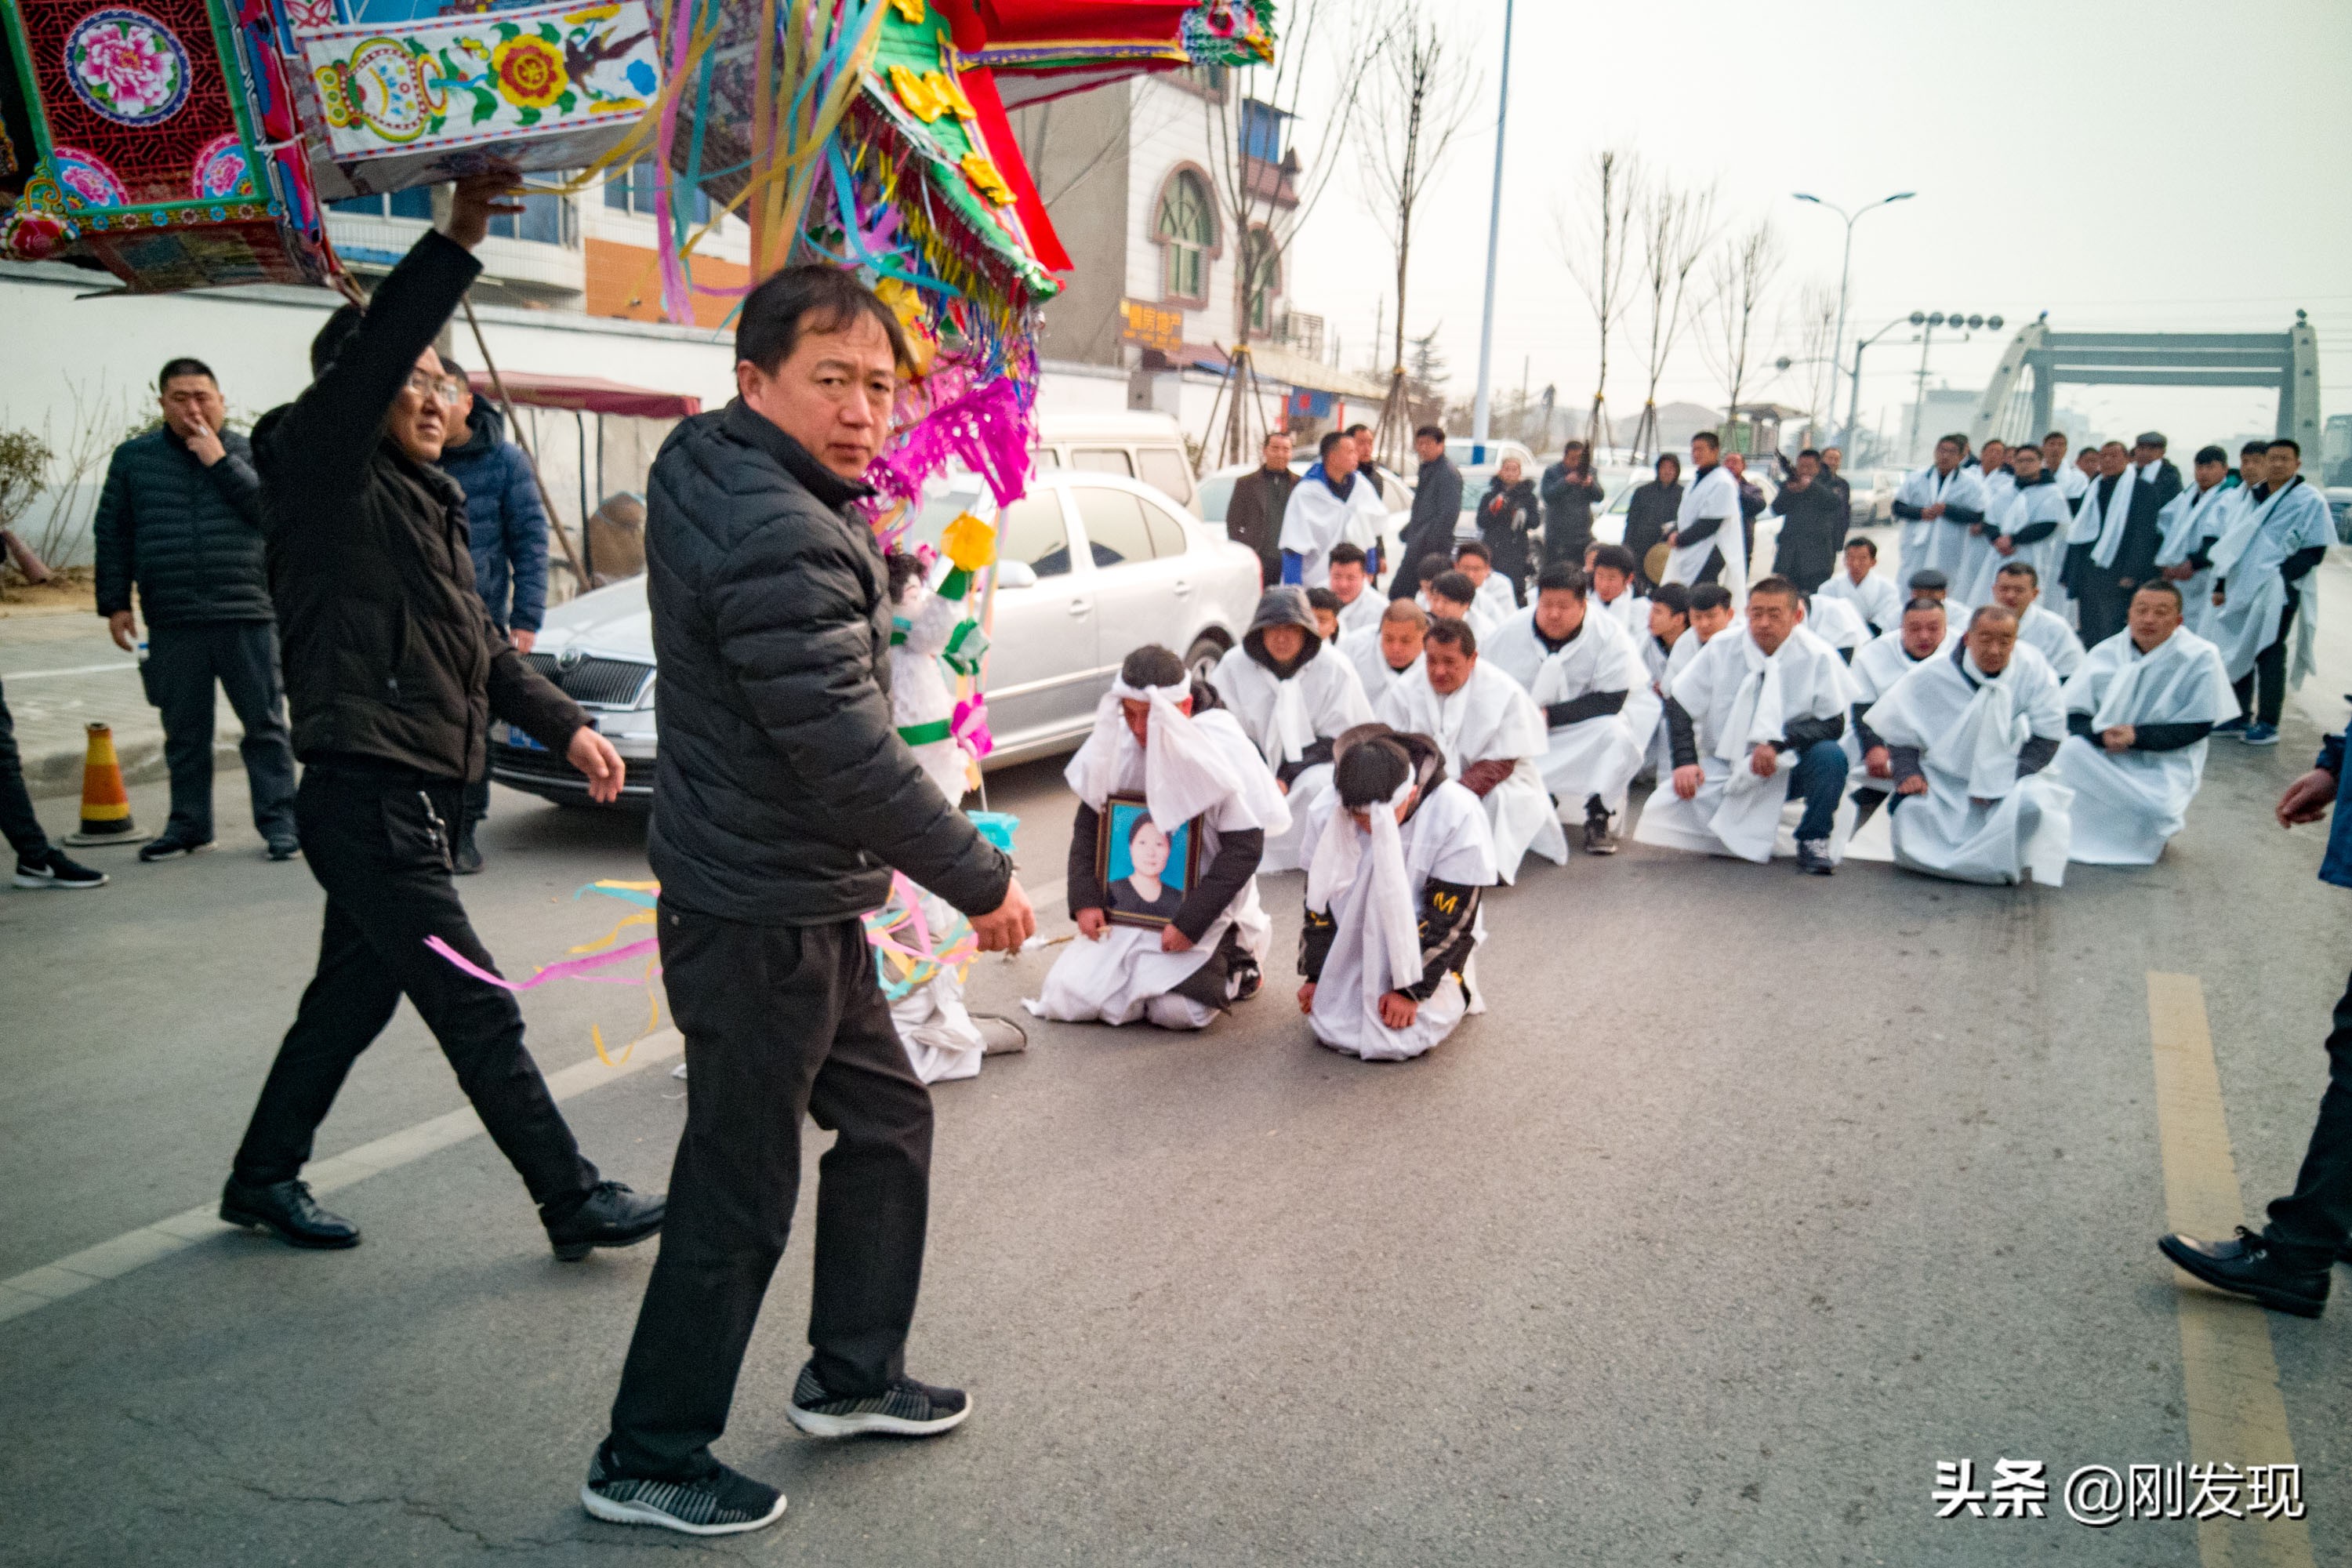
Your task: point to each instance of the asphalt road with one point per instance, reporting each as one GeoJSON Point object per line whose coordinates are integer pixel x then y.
{"type": "Point", "coordinates": [1751, 1199]}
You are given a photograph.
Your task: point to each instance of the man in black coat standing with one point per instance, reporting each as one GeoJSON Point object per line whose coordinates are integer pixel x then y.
{"type": "Point", "coordinates": [1254, 515]}
{"type": "Point", "coordinates": [1812, 525]}
{"type": "Point", "coordinates": [179, 520]}
{"type": "Point", "coordinates": [784, 800]}
{"type": "Point", "coordinates": [1570, 493]}
{"type": "Point", "coordinates": [1436, 508]}
{"type": "Point", "coordinates": [395, 674]}
{"type": "Point", "coordinates": [1651, 511]}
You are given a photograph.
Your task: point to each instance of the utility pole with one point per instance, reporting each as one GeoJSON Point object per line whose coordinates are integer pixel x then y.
{"type": "Point", "coordinates": [1483, 407]}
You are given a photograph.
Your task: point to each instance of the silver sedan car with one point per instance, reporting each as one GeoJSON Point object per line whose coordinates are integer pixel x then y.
{"type": "Point", "coordinates": [1092, 566]}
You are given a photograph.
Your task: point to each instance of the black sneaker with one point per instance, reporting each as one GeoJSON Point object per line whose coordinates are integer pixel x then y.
{"type": "Point", "coordinates": [52, 869]}
{"type": "Point", "coordinates": [466, 857]}
{"type": "Point", "coordinates": [1814, 858]}
{"type": "Point", "coordinates": [724, 1503]}
{"type": "Point", "coordinates": [1246, 978]}
{"type": "Point", "coordinates": [905, 1409]}
{"type": "Point", "coordinates": [287, 1211]}
{"type": "Point", "coordinates": [285, 849]}
{"type": "Point", "coordinates": [1598, 839]}
{"type": "Point", "coordinates": [613, 1215]}
{"type": "Point", "coordinates": [2248, 1265]}
{"type": "Point", "coordinates": [170, 846]}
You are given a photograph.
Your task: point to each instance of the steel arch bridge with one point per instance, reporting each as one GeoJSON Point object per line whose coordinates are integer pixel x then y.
{"type": "Point", "coordinates": [2021, 398]}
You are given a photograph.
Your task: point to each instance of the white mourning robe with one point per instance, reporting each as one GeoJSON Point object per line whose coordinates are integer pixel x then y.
{"type": "Point", "coordinates": [1677, 659]}
{"type": "Point", "coordinates": [1362, 651]}
{"type": "Point", "coordinates": [2192, 519]}
{"type": "Point", "coordinates": [1713, 494]}
{"type": "Point", "coordinates": [1877, 664]}
{"type": "Point", "coordinates": [1875, 596]}
{"type": "Point", "coordinates": [1978, 559]}
{"type": "Point", "coordinates": [1837, 623]}
{"type": "Point", "coordinates": [1489, 718]}
{"type": "Point", "coordinates": [1978, 822]}
{"type": "Point", "coordinates": [1514, 648]}
{"type": "Point", "coordinates": [1446, 840]}
{"type": "Point", "coordinates": [1601, 754]}
{"type": "Point", "coordinates": [1315, 520]}
{"type": "Point", "coordinates": [1629, 610]}
{"type": "Point", "coordinates": [1365, 610]}
{"type": "Point", "coordinates": [2247, 562]}
{"type": "Point", "coordinates": [1937, 542]}
{"type": "Point", "coordinates": [2053, 638]}
{"type": "Point", "coordinates": [1217, 781]}
{"type": "Point", "coordinates": [1737, 697]}
{"type": "Point", "coordinates": [1322, 697]}
{"type": "Point", "coordinates": [2072, 481]}
{"type": "Point", "coordinates": [2127, 804]}
{"type": "Point", "coordinates": [1496, 600]}
{"type": "Point", "coordinates": [2103, 528]}
{"type": "Point", "coordinates": [2020, 507]}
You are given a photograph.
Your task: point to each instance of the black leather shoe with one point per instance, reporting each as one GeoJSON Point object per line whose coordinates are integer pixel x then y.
{"type": "Point", "coordinates": [287, 1211]}
{"type": "Point", "coordinates": [2248, 1265]}
{"type": "Point", "coordinates": [1814, 858]}
{"type": "Point", "coordinates": [612, 1216]}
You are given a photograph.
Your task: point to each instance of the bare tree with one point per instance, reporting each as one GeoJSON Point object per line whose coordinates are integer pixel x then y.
{"type": "Point", "coordinates": [1675, 226]}
{"type": "Point", "coordinates": [1263, 202]}
{"type": "Point", "coordinates": [1417, 99]}
{"type": "Point", "coordinates": [1740, 274]}
{"type": "Point", "coordinates": [1816, 335]}
{"type": "Point", "coordinates": [1593, 244]}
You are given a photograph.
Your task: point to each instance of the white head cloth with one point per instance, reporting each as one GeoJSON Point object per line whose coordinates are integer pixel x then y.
{"type": "Point", "coordinates": [1340, 856]}
{"type": "Point", "coordinates": [1185, 771]}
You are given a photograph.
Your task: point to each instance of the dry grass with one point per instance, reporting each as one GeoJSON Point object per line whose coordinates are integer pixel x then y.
{"type": "Point", "coordinates": [73, 591]}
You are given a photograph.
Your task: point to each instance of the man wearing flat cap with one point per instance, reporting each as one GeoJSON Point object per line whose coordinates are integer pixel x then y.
{"type": "Point", "coordinates": [2154, 482]}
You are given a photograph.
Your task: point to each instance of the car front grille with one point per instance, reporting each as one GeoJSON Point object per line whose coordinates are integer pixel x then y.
{"type": "Point", "coordinates": [607, 682]}
{"type": "Point", "coordinates": [532, 762]}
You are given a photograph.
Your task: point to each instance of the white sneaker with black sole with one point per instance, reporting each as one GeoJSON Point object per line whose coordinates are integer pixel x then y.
{"type": "Point", "coordinates": [724, 1503]}
{"type": "Point", "coordinates": [53, 871]}
{"type": "Point", "coordinates": [905, 1409]}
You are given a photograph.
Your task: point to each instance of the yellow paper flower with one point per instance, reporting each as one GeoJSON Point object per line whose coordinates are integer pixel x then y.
{"type": "Point", "coordinates": [910, 10]}
{"type": "Point", "coordinates": [981, 170]}
{"type": "Point", "coordinates": [906, 303]}
{"type": "Point", "coordinates": [969, 542]}
{"type": "Point", "coordinates": [530, 72]}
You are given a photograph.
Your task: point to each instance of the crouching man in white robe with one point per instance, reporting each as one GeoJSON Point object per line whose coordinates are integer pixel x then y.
{"type": "Point", "coordinates": [1970, 733]}
{"type": "Point", "coordinates": [2137, 713]}
{"type": "Point", "coordinates": [2017, 588]}
{"type": "Point", "coordinates": [1155, 736]}
{"type": "Point", "coordinates": [1394, 903]}
{"type": "Point", "coordinates": [1752, 707]}
{"type": "Point", "coordinates": [1384, 655]}
{"type": "Point", "coordinates": [1918, 636]}
{"type": "Point", "coordinates": [1597, 704]}
{"type": "Point", "coordinates": [1293, 693]}
{"type": "Point", "coordinates": [1492, 737]}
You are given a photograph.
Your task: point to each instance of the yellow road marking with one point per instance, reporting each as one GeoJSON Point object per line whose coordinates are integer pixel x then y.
{"type": "Point", "coordinates": [2236, 1414]}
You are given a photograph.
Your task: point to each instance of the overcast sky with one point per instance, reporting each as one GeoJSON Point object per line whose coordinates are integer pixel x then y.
{"type": "Point", "coordinates": [2157, 165]}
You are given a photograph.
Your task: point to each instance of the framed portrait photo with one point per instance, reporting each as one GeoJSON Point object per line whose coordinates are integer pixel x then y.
{"type": "Point", "coordinates": [1145, 871]}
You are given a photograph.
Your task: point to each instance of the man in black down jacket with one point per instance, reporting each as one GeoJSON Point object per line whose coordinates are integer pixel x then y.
{"type": "Point", "coordinates": [784, 799]}
{"type": "Point", "coordinates": [394, 673]}
{"type": "Point", "coordinates": [180, 518]}
{"type": "Point", "coordinates": [1570, 493]}
{"type": "Point", "coordinates": [1436, 508]}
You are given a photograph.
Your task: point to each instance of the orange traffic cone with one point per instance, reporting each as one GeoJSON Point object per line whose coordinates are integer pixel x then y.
{"type": "Point", "coordinates": [105, 804]}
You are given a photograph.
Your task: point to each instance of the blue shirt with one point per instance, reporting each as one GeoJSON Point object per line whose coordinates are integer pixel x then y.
{"type": "Point", "coordinates": [2336, 867]}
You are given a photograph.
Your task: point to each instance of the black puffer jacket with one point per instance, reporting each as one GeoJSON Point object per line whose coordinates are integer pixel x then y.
{"type": "Point", "coordinates": [387, 649]}
{"type": "Point", "coordinates": [784, 794]}
{"type": "Point", "coordinates": [188, 536]}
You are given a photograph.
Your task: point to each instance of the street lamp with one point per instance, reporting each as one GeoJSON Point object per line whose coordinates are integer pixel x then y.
{"type": "Point", "coordinates": [1846, 273]}
{"type": "Point", "coordinates": [1482, 405]}
{"type": "Point", "coordinates": [1927, 322]}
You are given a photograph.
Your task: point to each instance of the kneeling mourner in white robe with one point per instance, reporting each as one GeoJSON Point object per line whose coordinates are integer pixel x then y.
{"type": "Point", "coordinates": [1739, 697]}
{"type": "Point", "coordinates": [2128, 803]}
{"type": "Point", "coordinates": [1488, 719]}
{"type": "Point", "coordinates": [1200, 770]}
{"type": "Point", "coordinates": [1990, 814]}
{"type": "Point", "coordinates": [1397, 909]}
{"type": "Point", "coordinates": [1293, 710]}
{"type": "Point", "coordinates": [1595, 696]}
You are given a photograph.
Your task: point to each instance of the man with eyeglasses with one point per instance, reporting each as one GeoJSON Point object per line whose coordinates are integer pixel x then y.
{"type": "Point", "coordinates": [507, 532]}
{"type": "Point", "coordinates": [395, 671]}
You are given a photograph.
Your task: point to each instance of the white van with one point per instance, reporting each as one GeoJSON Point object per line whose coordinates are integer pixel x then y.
{"type": "Point", "coordinates": [1146, 447]}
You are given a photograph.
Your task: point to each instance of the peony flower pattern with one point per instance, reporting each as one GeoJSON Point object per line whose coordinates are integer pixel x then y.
{"type": "Point", "coordinates": [127, 67]}
{"type": "Point", "coordinates": [530, 72]}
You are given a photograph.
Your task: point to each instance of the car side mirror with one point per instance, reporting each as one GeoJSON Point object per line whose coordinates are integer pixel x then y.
{"type": "Point", "coordinates": [1015, 574]}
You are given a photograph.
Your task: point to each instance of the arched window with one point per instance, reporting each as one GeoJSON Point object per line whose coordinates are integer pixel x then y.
{"type": "Point", "coordinates": [1263, 257]}
{"type": "Point", "coordinates": [1186, 229]}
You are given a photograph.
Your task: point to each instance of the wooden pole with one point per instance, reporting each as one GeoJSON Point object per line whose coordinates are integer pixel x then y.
{"type": "Point", "coordinates": [547, 503]}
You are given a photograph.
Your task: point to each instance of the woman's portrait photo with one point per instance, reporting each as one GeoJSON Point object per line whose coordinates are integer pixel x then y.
{"type": "Point", "coordinates": [1146, 871]}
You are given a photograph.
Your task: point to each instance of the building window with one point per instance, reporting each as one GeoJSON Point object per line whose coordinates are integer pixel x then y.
{"type": "Point", "coordinates": [632, 191]}
{"type": "Point", "coordinates": [416, 202]}
{"type": "Point", "coordinates": [1262, 258]}
{"type": "Point", "coordinates": [542, 219]}
{"type": "Point", "coordinates": [1186, 230]}
{"type": "Point", "coordinates": [1261, 131]}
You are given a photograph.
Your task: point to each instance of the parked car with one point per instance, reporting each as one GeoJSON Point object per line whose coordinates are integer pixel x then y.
{"type": "Point", "coordinates": [1146, 447]}
{"type": "Point", "coordinates": [1217, 495]}
{"type": "Point", "coordinates": [1873, 496]}
{"type": "Point", "coordinates": [2339, 502]}
{"type": "Point", "coordinates": [1093, 565]}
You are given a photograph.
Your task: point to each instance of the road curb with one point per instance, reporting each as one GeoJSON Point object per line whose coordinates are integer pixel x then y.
{"type": "Point", "coordinates": [55, 773]}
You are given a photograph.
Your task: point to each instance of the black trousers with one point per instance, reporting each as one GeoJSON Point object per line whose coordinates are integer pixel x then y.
{"type": "Point", "coordinates": [183, 663]}
{"type": "Point", "coordinates": [2102, 604]}
{"type": "Point", "coordinates": [377, 839]}
{"type": "Point", "coordinates": [17, 823]}
{"type": "Point", "coordinates": [2270, 671]}
{"type": "Point", "coordinates": [2312, 1222]}
{"type": "Point", "coordinates": [779, 1022]}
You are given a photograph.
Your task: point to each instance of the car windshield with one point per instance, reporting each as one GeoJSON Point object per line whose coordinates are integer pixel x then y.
{"type": "Point", "coordinates": [1216, 495]}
